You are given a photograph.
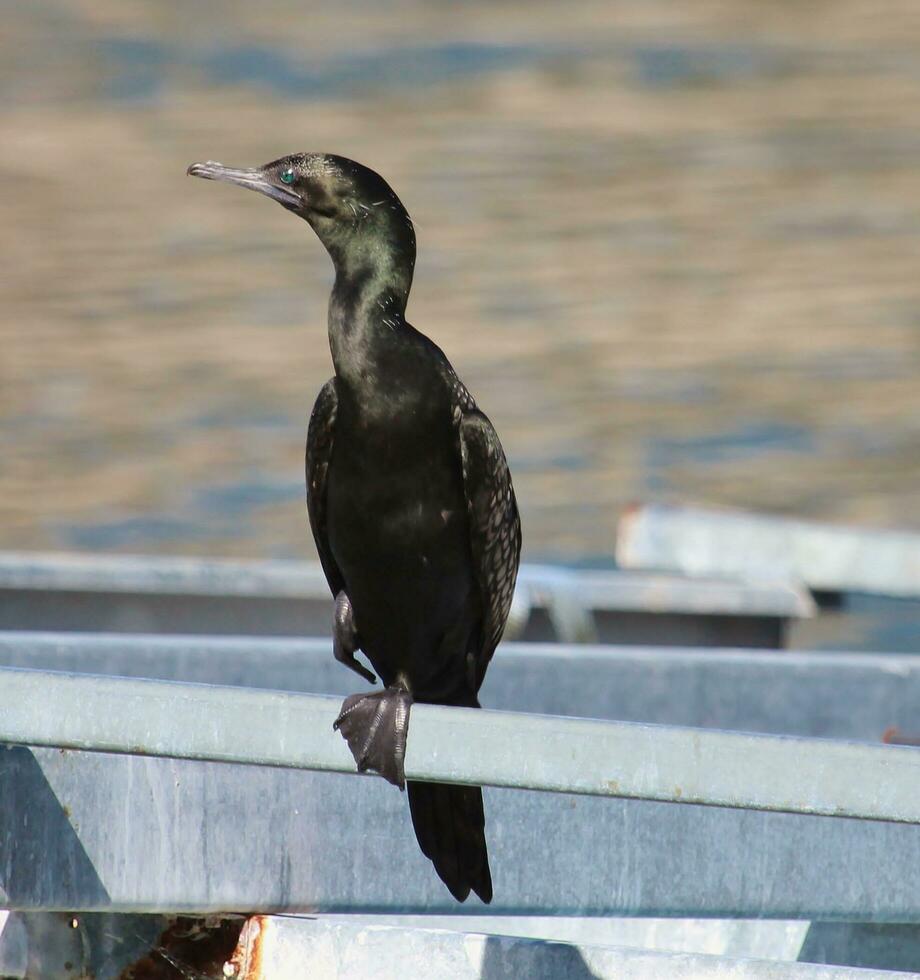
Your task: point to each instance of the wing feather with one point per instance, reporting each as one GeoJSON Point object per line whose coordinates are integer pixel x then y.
{"type": "Point", "coordinates": [320, 442]}
{"type": "Point", "coordinates": [495, 527]}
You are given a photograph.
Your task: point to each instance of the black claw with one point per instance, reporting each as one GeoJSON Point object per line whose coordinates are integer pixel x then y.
{"type": "Point", "coordinates": [349, 661]}
{"type": "Point", "coordinates": [345, 638]}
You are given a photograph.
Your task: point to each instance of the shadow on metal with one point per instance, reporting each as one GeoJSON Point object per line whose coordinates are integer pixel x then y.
{"type": "Point", "coordinates": [47, 840]}
{"type": "Point", "coordinates": [504, 960]}
{"type": "Point", "coordinates": [870, 945]}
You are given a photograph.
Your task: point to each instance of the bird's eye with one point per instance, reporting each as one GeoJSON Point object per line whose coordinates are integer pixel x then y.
{"type": "Point", "coordinates": [287, 176]}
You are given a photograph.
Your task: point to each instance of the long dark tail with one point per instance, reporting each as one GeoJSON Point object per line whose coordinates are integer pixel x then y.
{"type": "Point", "coordinates": [450, 826]}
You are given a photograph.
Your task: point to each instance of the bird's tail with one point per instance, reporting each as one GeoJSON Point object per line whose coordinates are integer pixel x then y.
{"type": "Point", "coordinates": [450, 826]}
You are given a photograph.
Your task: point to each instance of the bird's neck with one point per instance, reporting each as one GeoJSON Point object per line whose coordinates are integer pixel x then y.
{"type": "Point", "coordinates": [366, 309]}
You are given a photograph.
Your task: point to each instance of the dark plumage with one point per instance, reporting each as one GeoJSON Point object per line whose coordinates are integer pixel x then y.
{"type": "Point", "coordinates": [409, 496]}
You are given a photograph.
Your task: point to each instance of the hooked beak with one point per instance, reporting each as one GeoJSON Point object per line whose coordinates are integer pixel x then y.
{"type": "Point", "coordinates": [253, 179]}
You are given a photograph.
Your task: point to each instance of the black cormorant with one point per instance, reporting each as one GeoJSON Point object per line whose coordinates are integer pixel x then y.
{"type": "Point", "coordinates": [409, 497]}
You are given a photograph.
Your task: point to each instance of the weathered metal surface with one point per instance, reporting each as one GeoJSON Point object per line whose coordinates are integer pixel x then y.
{"type": "Point", "coordinates": [273, 948]}
{"type": "Point", "coordinates": [88, 831]}
{"type": "Point", "coordinates": [169, 575]}
{"type": "Point", "coordinates": [780, 692]}
{"type": "Point", "coordinates": [174, 595]}
{"type": "Point", "coordinates": [894, 736]}
{"type": "Point", "coordinates": [701, 542]}
{"type": "Point", "coordinates": [106, 946]}
{"type": "Point", "coordinates": [654, 592]}
{"type": "Point", "coordinates": [877, 945]}
{"type": "Point", "coordinates": [101, 946]}
{"type": "Point", "coordinates": [766, 939]}
{"type": "Point", "coordinates": [466, 746]}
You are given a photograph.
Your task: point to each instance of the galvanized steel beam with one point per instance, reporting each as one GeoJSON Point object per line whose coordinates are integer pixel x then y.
{"type": "Point", "coordinates": [465, 746]}
{"type": "Point", "coordinates": [273, 948]}
{"type": "Point", "coordinates": [157, 594]}
{"type": "Point", "coordinates": [699, 542]}
{"type": "Point", "coordinates": [105, 945]}
{"type": "Point", "coordinates": [83, 831]}
{"type": "Point", "coordinates": [761, 939]}
{"type": "Point", "coordinates": [829, 695]}
{"type": "Point", "coordinates": [58, 946]}
{"type": "Point", "coordinates": [157, 574]}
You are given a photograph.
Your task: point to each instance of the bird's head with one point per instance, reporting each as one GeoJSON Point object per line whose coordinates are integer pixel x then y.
{"type": "Point", "coordinates": [351, 208]}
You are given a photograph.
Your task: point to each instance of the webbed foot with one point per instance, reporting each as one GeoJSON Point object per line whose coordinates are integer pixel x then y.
{"type": "Point", "coordinates": [375, 727]}
{"type": "Point", "coordinates": [345, 637]}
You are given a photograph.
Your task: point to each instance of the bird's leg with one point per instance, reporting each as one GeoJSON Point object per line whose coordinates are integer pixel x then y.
{"type": "Point", "coordinates": [375, 727]}
{"type": "Point", "coordinates": [345, 637]}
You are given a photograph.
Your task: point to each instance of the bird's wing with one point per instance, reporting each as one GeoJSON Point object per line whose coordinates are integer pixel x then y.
{"type": "Point", "coordinates": [495, 527]}
{"type": "Point", "coordinates": [320, 440]}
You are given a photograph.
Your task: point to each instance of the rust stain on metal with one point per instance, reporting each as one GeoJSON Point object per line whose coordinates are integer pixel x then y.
{"type": "Point", "coordinates": [246, 961]}
{"type": "Point", "coordinates": [894, 736]}
{"type": "Point", "coordinates": [189, 947]}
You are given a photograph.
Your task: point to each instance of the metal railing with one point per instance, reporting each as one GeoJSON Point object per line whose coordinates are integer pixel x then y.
{"type": "Point", "coordinates": [465, 746]}
{"type": "Point", "coordinates": [112, 801]}
{"type": "Point", "coordinates": [830, 694]}
{"type": "Point", "coordinates": [154, 827]}
{"type": "Point", "coordinates": [157, 594]}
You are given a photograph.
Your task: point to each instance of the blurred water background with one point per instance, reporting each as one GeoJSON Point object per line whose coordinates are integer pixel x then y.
{"type": "Point", "coordinates": [672, 248]}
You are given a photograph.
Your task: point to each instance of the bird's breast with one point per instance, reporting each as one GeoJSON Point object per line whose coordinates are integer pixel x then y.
{"type": "Point", "coordinates": [404, 506]}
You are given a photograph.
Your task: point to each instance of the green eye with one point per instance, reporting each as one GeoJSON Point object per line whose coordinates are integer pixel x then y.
{"type": "Point", "coordinates": [287, 176]}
